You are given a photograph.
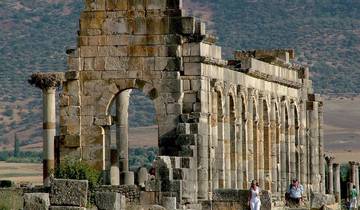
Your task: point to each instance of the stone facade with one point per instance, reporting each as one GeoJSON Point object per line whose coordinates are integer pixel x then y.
{"type": "Point", "coordinates": [222, 123]}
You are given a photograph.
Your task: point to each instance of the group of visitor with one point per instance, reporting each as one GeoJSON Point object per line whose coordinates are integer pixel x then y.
{"type": "Point", "coordinates": [293, 196]}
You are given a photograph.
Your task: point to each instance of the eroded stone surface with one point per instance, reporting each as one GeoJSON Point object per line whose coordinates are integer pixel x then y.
{"type": "Point", "coordinates": [66, 192]}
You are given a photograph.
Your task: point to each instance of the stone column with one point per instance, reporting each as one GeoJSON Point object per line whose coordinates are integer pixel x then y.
{"type": "Point", "coordinates": [48, 82]}
{"type": "Point", "coordinates": [49, 126]}
{"type": "Point", "coordinates": [274, 148]}
{"type": "Point", "coordinates": [250, 123]}
{"type": "Point", "coordinates": [314, 145]}
{"type": "Point", "coordinates": [122, 141]}
{"type": "Point", "coordinates": [114, 170]}
{"type": "Point", "coordinates": [354, 174]}
{"type": "Point", "coordinates": [227, 139]}
{"type": "Point", "coordinates": [292, 147]}
{"type": "Point", "coordinates": [239, 143]}
{"type": "Point", "coordinates": [321, 148]}
{"type": "Point", "coordinates": [260, 152]}
{"type": "Point", "coordinates": [283, 152]}
{"type": "Point", "coordinates": [337, 189]}
{"type": "Point", "coordinates": [330, 184]}
{"type": "Point", "coordinates": [302, 146]}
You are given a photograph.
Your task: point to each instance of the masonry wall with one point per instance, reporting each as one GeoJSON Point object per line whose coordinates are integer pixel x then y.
{"type": "Point", "coordinates": [221, 123]}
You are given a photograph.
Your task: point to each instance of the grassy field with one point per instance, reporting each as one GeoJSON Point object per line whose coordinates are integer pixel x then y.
{"type": "Point", "coordinates": [21, 172]}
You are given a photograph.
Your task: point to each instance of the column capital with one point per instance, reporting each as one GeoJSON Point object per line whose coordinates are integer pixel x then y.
{"type": "Point", "coordinates": [335, 165]}
{"type": "Point", "coordinates": [354, 163]}
{"type": "Point", "coordinates": [47, 81]}
{"type": "Point", "coordinates": [329, 159]}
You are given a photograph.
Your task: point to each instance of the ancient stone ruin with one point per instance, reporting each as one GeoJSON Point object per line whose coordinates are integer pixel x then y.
{"type": "Point", "coordinates": [222, 123]}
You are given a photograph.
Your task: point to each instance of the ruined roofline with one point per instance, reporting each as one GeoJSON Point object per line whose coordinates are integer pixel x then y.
{"type": "Point", "coordinates": [46, 80]}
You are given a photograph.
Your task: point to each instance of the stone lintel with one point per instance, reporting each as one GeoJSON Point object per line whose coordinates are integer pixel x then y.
{"type": "Point", "coordinates": [46, 80]}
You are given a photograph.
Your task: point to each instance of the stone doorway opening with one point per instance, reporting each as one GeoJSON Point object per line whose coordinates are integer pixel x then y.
{"type": "Point", "coordinates": [132, 140]}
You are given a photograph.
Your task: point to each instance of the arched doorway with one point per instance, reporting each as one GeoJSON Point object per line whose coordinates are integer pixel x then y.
{"type": "Point", "coordinates": [132, 139]}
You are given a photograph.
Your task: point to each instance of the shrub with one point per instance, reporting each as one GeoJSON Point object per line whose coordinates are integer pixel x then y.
{"type": "Point", "coordinates": [75, 169]}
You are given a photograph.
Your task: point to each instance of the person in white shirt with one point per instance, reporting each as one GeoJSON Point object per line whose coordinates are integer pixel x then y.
{"type": "Point", "coordinates": [254, 196]}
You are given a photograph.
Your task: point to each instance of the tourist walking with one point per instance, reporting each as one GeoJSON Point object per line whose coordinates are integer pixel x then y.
{"type": "Point", "coordinates": [295, 194]}
{"type": "Point", "coordinates": [254, 196]}
{"type": "Point", "coordinates": [353, 198]}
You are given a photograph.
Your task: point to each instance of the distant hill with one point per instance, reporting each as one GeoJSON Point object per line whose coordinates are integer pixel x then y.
{"type": "Point", "coordinates": [34, 35]}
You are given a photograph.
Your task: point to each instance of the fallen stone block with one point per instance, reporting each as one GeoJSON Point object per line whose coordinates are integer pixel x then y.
{"type": "Point", "coordinates": [110, 201]}
{"type": "Point", "coordinates": [66, 192]}
{"type": "Point", "coordinates": [38, 201]}
{"type": "Point", "coordinates": [66, 208]}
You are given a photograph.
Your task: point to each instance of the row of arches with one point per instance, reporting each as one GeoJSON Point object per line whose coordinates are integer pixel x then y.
{"type": "Point", "coordinates": [255, 136]}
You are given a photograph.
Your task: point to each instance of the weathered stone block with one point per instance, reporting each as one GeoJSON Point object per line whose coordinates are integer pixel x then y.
{"type": "Point", "coordinates": [69, 192]}
{"type": "Point", "coordinates": [115, 26]}
{"type": "Point", "coordinates": [110, 201]}
{"type": "Point", "coordinates": [66, 208]}
{"type": "Point", "coordinates": [38, 201]}
{"type": "Point", "coordinates": [116, 5]}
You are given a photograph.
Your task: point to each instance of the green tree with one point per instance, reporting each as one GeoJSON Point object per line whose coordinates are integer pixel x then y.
{"type": "Point", "coordinates": [16, 146]}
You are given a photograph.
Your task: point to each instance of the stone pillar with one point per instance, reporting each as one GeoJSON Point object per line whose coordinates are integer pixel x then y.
{"type": "Point", "coordinates": [114, 169]}
{"type": "Point", "coordinates": [107, 159]}
{"type": "Point", "coordinates": [321, 148]}
{"type": "Point", "coordinates": [250, 140]}
{"type": "Point", "coordinates": [214, 141]}
{"type": "Point", "coordinates": [354, 174]}
{"type": "Point", "coordinates": [261, 138]}
{"type": "Point", "coordinates": [274, 149]}
{"type": "Point", "coordinates": [337, 185]}
{"type": "Point", "coordinates": [240, 134]}
{"type": "Point", "coordinates": [48, 82]}
{"type": "Point", "coordinates": [283, 152]}
{"type": "Point", "coordinates": [227, 139]}
{"type": "Point", "coordinates": [49, 126]}
{"type": "Point", "coordinates": [302, 146]}
{"type": "Point", "coordinates": [219, 152]}
{"type": "Point", "coordinates": [314, 145]}
{"type": "Point", "coordinates": [203, 159]}
{"type": "Point", "coordinates": [292, 147]}
{"type": "Point", "coordinates": [330, 184]}
{"type": "Point", "coordinates": [122, 142]}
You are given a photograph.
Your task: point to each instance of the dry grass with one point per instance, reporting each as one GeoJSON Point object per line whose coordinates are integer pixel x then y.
{"type": "Point", "coordinates": [21, 172]}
